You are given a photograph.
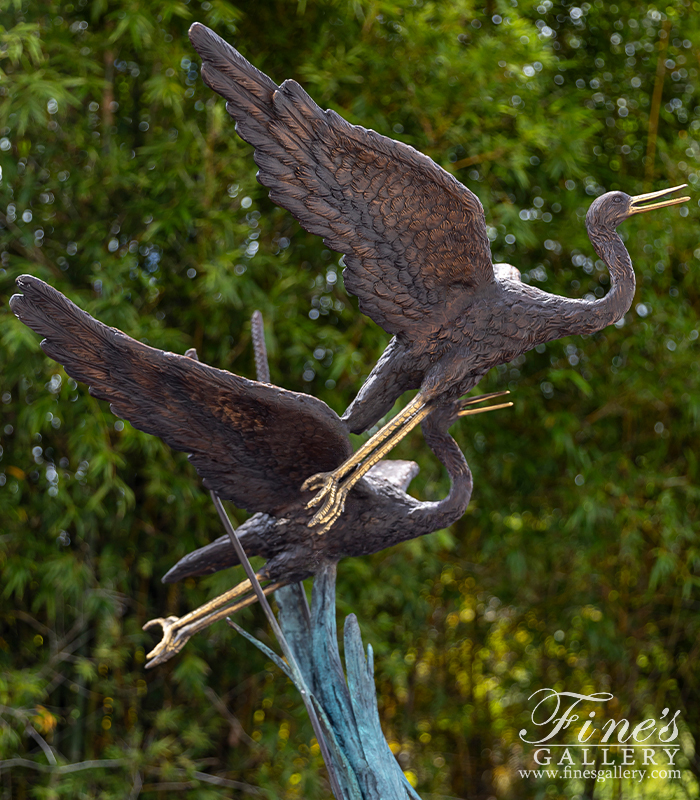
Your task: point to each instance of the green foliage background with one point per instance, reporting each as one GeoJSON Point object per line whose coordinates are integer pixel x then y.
{"type": "Point", "coordinates": [576, 565]}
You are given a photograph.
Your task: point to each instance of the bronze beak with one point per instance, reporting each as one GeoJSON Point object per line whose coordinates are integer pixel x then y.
{"type": "Point", "coordinates": [643, 198]}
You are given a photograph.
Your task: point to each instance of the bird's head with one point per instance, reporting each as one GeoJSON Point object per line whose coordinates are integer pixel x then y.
{"type": "Point", "coordinates": [611, 209]}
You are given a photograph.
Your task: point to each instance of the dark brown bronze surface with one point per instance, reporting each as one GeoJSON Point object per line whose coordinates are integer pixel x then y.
{"type": "Point", "coordinates": [416, 251]}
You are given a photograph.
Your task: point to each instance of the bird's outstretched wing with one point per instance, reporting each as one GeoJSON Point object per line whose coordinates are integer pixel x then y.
{"type": "Point", "coordinates": [408, 230]}
{"type": "Point", "coordinates": [253, 443]}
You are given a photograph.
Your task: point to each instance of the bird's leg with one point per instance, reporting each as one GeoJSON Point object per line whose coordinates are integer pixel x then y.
{"type": "Point", "coordinates": [333, 508]}
{"type": "Point", "coordinates": [467, 412]}
{"type": "Point", "coordinates": [383, 449]}
{"type": "Point", "coordinates": [330, 512]}
{"type": "Point", "coordinates": [171, 625]}
{"type": "Point", "coordinates": [328, 482]}
{"type": "Point", "coordinates": [175, 640]}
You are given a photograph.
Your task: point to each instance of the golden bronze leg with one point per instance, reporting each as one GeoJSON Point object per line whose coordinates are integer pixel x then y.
{"type": "Point", "coordinates": [329, 482]}
{"type": "Point", "coordinates": [370, 453]}
{"type": "Point", "coordinates": [173, 627]}
{"type": "Point", "coordinates": [470, 411]}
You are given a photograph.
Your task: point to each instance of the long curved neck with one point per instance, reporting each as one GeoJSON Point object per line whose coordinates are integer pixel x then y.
{"type": "Point", "coordinates": [609, 247]}
{"type": "Point", "coordinates": [585, 316]}
{"type": "Point", "coordinates": [445, 512]}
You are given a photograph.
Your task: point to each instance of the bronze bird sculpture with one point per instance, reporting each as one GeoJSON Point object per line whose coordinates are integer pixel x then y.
{"type": "Point", "coordinates": [416, 254]}
{"type": "Point", "coordinates": [254, 444]}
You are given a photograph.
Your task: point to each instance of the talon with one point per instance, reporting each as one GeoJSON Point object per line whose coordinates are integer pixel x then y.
{"type": "Point", "coordinates": [158, 649]}
{"type": "Point", "coordinates": [329, 521]}
{"type": "Point", "coordinates": [332, 509]}
{"type": "Point", "coordinates": [315, 482]}
{"type": "Point", "coordinates": [153, 662]}
{"type": "Point", "coordinates": [167, 623]}
{"type": "Point", "coordinates": [164, 622]}
{"type": "Point", "coordinates": [328, 488]}
{"type": "Point", "coordinates": [319, 517]}
{"type": "Point", "coordinates": [163, 655]}
{"type": "Point", "coordinates": [315, 500]}
{"type": "Point", "coordinates": [323, 529]}
{"type": "Point", "coordinates": [324, 512]}
{"type": "Point", "coordinates": [323, 481]}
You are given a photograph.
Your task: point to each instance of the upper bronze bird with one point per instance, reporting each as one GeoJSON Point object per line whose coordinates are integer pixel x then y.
{"type": "Point", "coordinates": [416, 254]}
{"type": "Point", "coordinates": [254, 444]}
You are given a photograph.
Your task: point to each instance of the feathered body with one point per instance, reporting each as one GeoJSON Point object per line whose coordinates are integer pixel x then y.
{"type": "Point", "coordinates": [378, 515]}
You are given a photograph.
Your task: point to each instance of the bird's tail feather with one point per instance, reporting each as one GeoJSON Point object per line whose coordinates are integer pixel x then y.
{"type": "Point", "coordinates": [215, 556]}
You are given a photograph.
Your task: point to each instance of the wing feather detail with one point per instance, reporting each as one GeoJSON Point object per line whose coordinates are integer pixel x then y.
{"type": "Point", "coordinates": [253, 443]}
{"type": "Point", "coordinates": [408, 230]}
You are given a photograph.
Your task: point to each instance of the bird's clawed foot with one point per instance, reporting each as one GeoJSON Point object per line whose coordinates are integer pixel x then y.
{"type": "Point", "coordinates": [334, 495]}
{"type": "Point", "coordinates": [167, 646]}
{"type": "Point", "coordinates": [325, 481]}
{"type": "Point", "coordinates": [329, 486]}
{"type": "Point", "coordinates": [177, 631]}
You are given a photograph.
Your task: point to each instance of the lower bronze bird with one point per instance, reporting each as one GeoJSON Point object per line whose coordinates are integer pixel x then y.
{"type": "Point", "coordinates": [254, 444]}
